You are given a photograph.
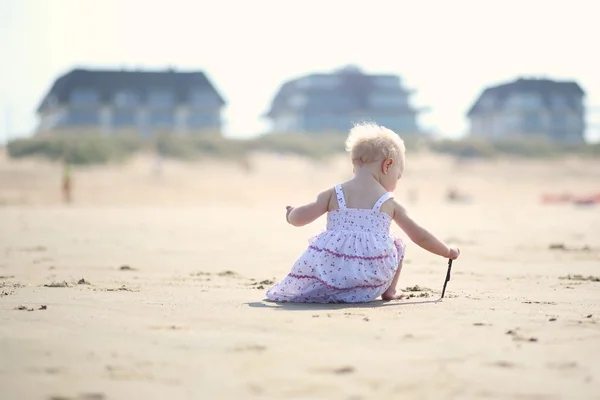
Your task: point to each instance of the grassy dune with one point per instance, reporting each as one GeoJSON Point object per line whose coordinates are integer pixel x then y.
{"type": "Point", "coordinates": [89, 149]}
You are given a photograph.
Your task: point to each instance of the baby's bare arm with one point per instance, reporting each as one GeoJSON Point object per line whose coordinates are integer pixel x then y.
{"type": "Point", "coordinates": [304, 215]}
{"type": "Point", "coordinates": [418, 234]}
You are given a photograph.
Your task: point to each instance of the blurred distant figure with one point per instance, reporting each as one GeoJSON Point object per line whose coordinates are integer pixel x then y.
{"type": "Point", "coordinates": [158, 164]}
{"type": "Point", "coordinates": [246, 165]}
{"type": "Point", "coordinates": [67, 183]}
{"type": "Point", "coordinates": [454, 196]}
{"type": "Point", "coordinates": [357, 259]}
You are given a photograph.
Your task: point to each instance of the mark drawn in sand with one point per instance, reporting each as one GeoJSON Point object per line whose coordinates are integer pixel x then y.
{"type": "Point", "coordinates": [261, 285]}
{"type": "Point", "coordinates": [344, 370]}
{"type": "Point", "coordinates": [42, 260]}
{"type": "Point", "coordinates": [167, 327]}
{"type": "Point", "coordinates": [563, 247]}
{"type": "Point", "coordinates": [229, 274]}
{"type": "Point", "coordinates": [422, 291]}
{"type": "Point", "coordinates": [201, 273]}
{"type": "Point", "coordinates": [222, 274]}
{"type": "Point", "coordinates": [122, 373]}
{"type": "Point", "coordinates": [34, 249]}
{"type": "Point", "coordinates": [587, 320]}
{"type": "Point", "coordinates": [83, 396]}
{"type": "Point", "coordinates": [578, 277]}
{"type": "Point", "coordinates": [502, 364]}
{"type": "Point", "coordinates": [23, 308]}
{"type": "Point", "coordinates": [551, 303]}
{"type": "Point", "coordinates": [249, 347]}
{"type": "Point", "coordinates": [7, 289]}
{"type": "Point", "coordinates": [561, 366]}
{"type": "Point", "coordinates": [123, 288]}
{"type": "Point", "coordinates": [57, 284]}
{"type": "Point", "coordinates": [518, 337]}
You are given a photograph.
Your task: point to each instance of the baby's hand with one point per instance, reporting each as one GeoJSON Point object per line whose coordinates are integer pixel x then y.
{"type": "Point", "coordinates": [453, 253]}
{"type": "Point", "coordinates": [288, 210]}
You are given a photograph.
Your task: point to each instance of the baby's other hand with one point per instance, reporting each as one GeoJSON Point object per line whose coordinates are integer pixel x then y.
{"type": "Point", "coordinates": [288, 210]}
{"type": "Point", "coordinates": [453, 253]}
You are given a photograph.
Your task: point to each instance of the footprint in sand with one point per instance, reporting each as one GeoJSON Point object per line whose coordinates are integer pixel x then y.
{"type": "Point", "coordinates": [6, 289]}
{"type": "Point", "coordinates": [120, 289]}
{"type": "Point", "coordinates": [581, 278]}
{"type": "Point", "coordinates": [229, 274]}
{"type": "Point", "coordinates": [249, 347]}
{"type": "Point", "coordinates": [561, 366]}
{"type": "Point", "coordinates": [503, 364]}
{"type": "Point", "coordinates": [34, 249]}
{"type": "Point", "coordinates": [201, 273]}
{"type": "Point", "coordinates": [24, 308]}
{"type": "Point", "coordinates": [344, 370]}
{"type": "Point", "coordinates": [57, 285]}
{"type": "Point", "coordinates": [167, 327]}
{"type": "Point", "coordinates": [518, 337]}
{"type": "Point", "coordinates": [261, 285]}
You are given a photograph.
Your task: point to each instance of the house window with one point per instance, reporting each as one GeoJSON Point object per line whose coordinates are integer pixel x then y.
{"type": "Point", "coordinates": [510, 123]}
{"type": "Point", "coordinates": [525, 101]}
{"type": "Point", "coordinates": [383, 100]}
{"type": "Point", "coordinates": [203, 98]}
{"type": "Point", "coordinates": [532, 122]}
{"type": "Point", "coordinates": [331, 101]}
{"type": "Point", "coordinates": [297, 101]}
{"type": "Point", "coordinates": [126, 99]}
{"type": "Point", "coordinates": [559, 102]}
{"type": "Point", "coordinates": [82, 116]}
{"type": "Point", "coordinates": [201, 120]}
{"type": "Point", "coordinates": [162, 118]}
{"type": "Point", "coordinates": [122, 117]}
{"type": "Point", "coordinates": [161, 99]}
{"type": "Point", "coordinates": [84, 97]}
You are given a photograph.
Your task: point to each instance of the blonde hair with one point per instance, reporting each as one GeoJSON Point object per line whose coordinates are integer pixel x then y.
{"type": "Point", "coordinates": [368, 142]}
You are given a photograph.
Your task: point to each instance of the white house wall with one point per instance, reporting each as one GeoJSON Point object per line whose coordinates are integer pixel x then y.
{"type": "Point", "coordinates": [286, 123]}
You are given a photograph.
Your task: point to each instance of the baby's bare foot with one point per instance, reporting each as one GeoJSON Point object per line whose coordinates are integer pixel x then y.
{"type": "Point", "coordinates": [391, 295]}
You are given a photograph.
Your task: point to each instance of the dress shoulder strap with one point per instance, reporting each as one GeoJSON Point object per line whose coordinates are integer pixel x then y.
{"type": "Point", "coordinates": [339, 194]}
{"type": "Point", "coordinates": [382, 199]}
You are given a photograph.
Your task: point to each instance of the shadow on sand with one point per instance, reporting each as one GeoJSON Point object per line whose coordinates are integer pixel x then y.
{"type": "Point", "coordinates": [333, 306]}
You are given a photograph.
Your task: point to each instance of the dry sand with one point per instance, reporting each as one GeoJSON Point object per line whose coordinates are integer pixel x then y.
{"type": "Point", "coordinates": [189, 320]}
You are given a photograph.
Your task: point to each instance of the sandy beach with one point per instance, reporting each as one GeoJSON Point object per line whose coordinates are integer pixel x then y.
{"type": "Point", "coordinates": [152, 286]}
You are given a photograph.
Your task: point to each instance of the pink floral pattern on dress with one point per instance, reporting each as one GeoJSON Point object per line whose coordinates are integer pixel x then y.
{"type": "Point", "coordinates": [354, 260]}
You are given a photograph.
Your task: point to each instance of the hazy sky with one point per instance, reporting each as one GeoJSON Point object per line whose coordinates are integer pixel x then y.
{"type": "Point", "coordinates": [448, 51]}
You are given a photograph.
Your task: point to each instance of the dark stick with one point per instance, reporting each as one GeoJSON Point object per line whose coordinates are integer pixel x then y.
{"type": "Point", "coordinates": [447, 277]}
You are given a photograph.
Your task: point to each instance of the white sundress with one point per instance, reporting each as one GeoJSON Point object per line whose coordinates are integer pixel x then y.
{"type": "Point", "coordinates": [354, 260]}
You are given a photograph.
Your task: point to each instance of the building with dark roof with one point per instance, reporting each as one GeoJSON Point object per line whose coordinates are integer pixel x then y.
{"type": "Point", "coordinates": [141, 101]}
{"type": "Point", "coordinates": [530, 107]}
{"type": "Point", "coordinates": [333, 102]}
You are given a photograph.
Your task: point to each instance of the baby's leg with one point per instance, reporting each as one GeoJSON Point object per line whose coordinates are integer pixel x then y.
{"type": "Point", "coordinates": [390, 293]}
